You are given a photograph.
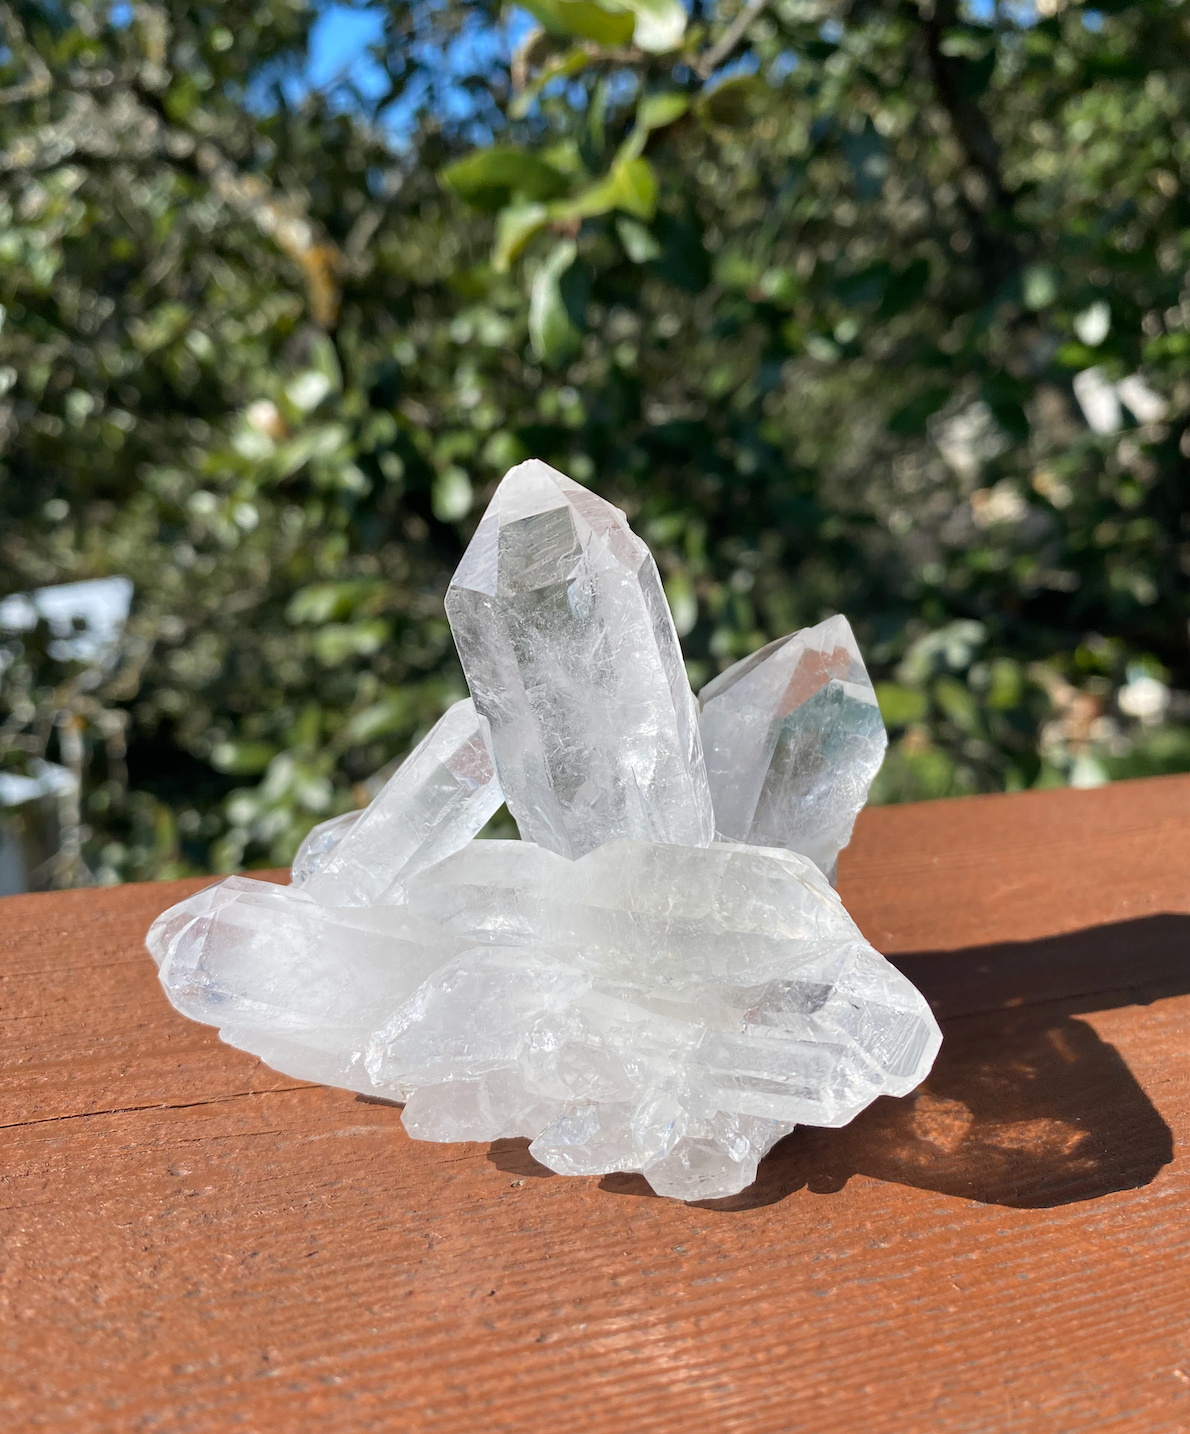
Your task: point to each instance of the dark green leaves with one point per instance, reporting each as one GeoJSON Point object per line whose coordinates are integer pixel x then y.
{"type": "Point", "coordinates": [822, 327]}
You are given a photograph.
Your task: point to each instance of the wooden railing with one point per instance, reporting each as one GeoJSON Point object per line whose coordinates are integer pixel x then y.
{"type": "Point", "coordinates": [194, 1244]}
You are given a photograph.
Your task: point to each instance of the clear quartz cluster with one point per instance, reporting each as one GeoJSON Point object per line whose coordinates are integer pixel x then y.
{"type": "Point", "coordinates": [659, 977]}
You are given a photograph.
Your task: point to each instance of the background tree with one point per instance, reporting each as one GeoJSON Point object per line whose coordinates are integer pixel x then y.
{"type": "Point", "coordinates": [877, 308]}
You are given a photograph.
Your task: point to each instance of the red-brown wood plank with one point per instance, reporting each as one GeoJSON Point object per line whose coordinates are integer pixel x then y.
{"type": "Point", "coordinates": [190, 1242]}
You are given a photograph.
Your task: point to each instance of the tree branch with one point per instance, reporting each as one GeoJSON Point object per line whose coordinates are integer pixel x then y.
{"type": "Point", "coordinates": [40, 81]}
{"type": "Point", "coordinates": [708, 63]}
{"type": "Point", "coordinates": [973, 134]}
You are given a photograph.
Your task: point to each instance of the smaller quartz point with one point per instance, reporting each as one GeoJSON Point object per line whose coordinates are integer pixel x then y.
{"type": "Point", "coordinates": [298, 984]}
{"type": "Point", "coordinates": [438, 799]}
{"type": "Point", "coordinates": [793, 739]}
{"type": "Point", "coordinates": [320, 842]}
{"type": "Point", "coordinates": [570, 652]}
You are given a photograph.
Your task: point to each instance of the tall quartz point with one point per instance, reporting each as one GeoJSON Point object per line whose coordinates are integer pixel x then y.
{"type": "Point", "coordinates": [619, 988]}
{"type": "Point", "coordinates": [793, 739]}
{"type": "Point", "coordinates": [437, 800]}
{"type": "Point", "coordinates": [571, 655]}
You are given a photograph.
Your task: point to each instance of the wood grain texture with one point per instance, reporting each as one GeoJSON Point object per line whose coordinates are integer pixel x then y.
{"type": "Point", "coordinates": [194, 1244]}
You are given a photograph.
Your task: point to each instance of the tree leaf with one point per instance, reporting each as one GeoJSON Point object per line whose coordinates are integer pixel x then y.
{"type": "Point", "coordinates": [584, 18]}
{"type": "Point", "coordinates": [242, 759]}
{"type": "Point", "coordinates": [337, 642]}
{"type": "Point", "coordinates": [900, 705]}
{"type": "Point", "coordinates": [394, 713]}
{"type": "Point", "coordinates": [636, 187]}
{"type": "Point", "coordinates": [655, 111]}
{"type": "Point", "coordinates": [451, 495]}
{"type": "Point", "coordinates": [515, 226]}
{"type": "Point", "coordinates": [551, 333]}
{"type": "Point", "coordinates": [735, 102]}
{"type": "Point", "coordinates": [330, 602]}
{"type": "Point", "coordinates": [660, 24]}
{"type": "Point", "coordinates": [639, 244]}
{"type": "Point", "coordinates": [571, 63]}
{"type": "Point", "coordinates": [489, 178]}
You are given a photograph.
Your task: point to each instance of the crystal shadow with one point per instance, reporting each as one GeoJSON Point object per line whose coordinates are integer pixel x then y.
{"type": "Point", "coordinates": [1026, 1106]}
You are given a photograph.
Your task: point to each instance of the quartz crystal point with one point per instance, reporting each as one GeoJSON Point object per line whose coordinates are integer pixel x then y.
{"type": "Point", "coordinates": [439, 798]}
{"type": "Point", "coordinates": [570, 652]}
{"type": "Point", "coordinates": [793, 738]}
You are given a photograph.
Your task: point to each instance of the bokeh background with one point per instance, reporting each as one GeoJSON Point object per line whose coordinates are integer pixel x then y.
{"type": "Point", "coordinates": [868, 306]}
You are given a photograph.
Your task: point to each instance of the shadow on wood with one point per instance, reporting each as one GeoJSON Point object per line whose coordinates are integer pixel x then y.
{"type": "Point", "coordinates": [1026, 1106]}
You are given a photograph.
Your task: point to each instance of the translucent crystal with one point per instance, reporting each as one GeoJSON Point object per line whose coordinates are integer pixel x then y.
{"type": "Point", "coordinates": [570, 652]}
{"type": "Point", "coordinates": [320, 842]}
{"type": "Point", "coordinates": [671, 1010]}
{"type": "Point", "coordinates": [438, 799]}
{"type": "Point", "coordinates": [793, 738]}
{"type": "Point", "coordinates": [618, 987]}
{"type": "Point", "coordinates": [298, 984]}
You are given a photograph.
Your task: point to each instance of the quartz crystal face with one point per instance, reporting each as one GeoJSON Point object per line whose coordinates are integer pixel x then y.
{"type": "Point", "coordinates": [618, 988]}
{"type": "Point", "coordinates": [793, 739]}
{"type": "Point", "coordinates": [320, 842]}
{"type": "Point", "coordinates": [570, 652]}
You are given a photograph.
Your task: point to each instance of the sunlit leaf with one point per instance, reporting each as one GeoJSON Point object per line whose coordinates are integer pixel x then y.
{"type": "Point", "coordinates": [901, 705]}
{"type": "Point", "coordinates": [515, 227]}
{"type": "Point", "coordinates": [490, 177]}
{"type": "Point", "coordinates": [451, 495]}
{"type": "Point", "coordinates": [395, 713]}
{"type": "Point", "coordinates": [584, 18]}
{"type": "Point", "coordinates": [551, 332]}
{"type": "Point", "coordinates": [337, 642]}
{"type": "Point", "coordinates": [329, 602]}
{"type": "Point", "coordinates": [639, 244]}
{"type": "Point", "coordinates": [630, 186]}
{"type": "Point", "coordinates": [242, 759]}
{"type": "Point", "coordinates": [660, 24]}
{"type": "Point", "coordinates": [657, 110]}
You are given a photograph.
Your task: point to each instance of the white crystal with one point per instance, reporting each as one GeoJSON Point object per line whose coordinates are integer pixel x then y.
{"type": "Point", "coordinates": [437, 800]}
{"type": "Point", "coordinates": [618, 988]}
{"type": "Point", "coordinates": [570, 652]}
{"type": "Point", "coordinates": [793, 739]}
{"type": "Point", "coordinates": [678, 1008]}
{"type": "Point", "coordinates": [298, 984]}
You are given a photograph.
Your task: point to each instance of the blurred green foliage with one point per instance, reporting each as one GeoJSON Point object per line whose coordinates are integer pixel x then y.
{"type": "Point", "coordinates": [823, 294]}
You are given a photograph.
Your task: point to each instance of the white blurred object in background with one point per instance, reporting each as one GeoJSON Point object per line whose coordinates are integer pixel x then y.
{"type": "Point", "coordinates": [40, 815]}
{"type": "Point", "coordinates": [1144, 697]}
{"type": "Point", "coordinates": [29, 823]}
{"type": "Point", "coordinates": [100, 604]}
{"type": "Point", "coordinates": [1100, 400]}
